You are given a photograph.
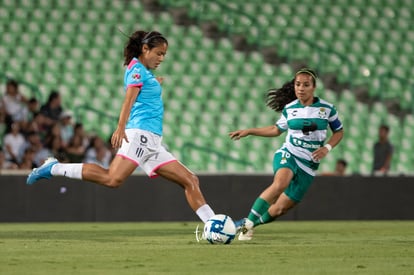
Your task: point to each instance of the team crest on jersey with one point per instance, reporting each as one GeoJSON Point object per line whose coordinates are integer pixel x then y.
{"type": "Point", "coordinates": [322, 112]}
{"type": "Point", "coordinates": [283, 161]}
{"type": "Point", "coordinates": [136, 76]}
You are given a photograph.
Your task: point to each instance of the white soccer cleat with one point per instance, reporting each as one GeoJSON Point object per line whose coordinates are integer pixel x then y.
{"type": "Point", "coordinates": [246, 231]}
{"type": "Point", "coordinates": [246, 234]}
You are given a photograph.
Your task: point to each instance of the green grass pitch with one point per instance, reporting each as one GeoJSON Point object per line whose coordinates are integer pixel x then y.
{"type": "Point", "coordinates": [331, 247]}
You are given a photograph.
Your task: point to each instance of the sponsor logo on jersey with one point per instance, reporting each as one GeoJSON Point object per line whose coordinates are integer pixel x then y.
{"type": "Point", "coordinates": [304, 144]}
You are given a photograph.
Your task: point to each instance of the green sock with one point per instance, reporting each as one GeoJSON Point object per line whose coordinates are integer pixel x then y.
{"type": "Point", "coordinates": [259, 208]}
{"type": "Point", "coordinates": [265, 218]}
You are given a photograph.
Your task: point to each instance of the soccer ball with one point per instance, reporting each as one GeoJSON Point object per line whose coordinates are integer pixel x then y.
{"type": "Point", "coordinates": [219, 229]}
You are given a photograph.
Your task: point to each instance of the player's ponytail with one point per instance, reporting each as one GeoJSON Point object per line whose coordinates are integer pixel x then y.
{"type": "Point", "coordinates": [277, 99]}
{"type": "Point", "coordinates": [133, 47]}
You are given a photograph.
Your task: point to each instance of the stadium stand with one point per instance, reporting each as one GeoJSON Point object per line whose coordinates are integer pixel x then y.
{"type": "Point", "coordinates": [78, 51]}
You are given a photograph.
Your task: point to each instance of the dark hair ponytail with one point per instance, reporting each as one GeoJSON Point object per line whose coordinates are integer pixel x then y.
{"type": "Point", "coordinates": [133, 47]}
{"type": "Point", "coordinates": [277, 99]}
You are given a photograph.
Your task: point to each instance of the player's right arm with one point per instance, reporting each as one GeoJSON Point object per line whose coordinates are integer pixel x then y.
{"type": "Point", "coordinates": [119, 134]}
{"type": "Point", "coordinates": [267, 131]}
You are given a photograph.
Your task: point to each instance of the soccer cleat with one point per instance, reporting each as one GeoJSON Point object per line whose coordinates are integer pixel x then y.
{"type": "Point", "coordinates": [239, 224]}
{"type": "Point", "coordinates": [246, 230]}
{"type": "Point", "coordinates": [42, 172]}
{"type": "Point", "coordinates": [245, 234]}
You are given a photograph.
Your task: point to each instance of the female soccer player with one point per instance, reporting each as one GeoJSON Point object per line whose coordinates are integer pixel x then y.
{"type": "Point", "coordinates": [139, 132]}
{"type": "Point", "coordinates": [306, 119]}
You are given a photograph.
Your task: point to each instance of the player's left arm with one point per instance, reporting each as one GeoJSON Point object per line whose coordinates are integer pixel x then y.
{"type": "Point", "coordinates": [322, 151]}
{"type": "Point", "coordinates": [335, 139]}
{"type": "Point", "coordinates": [338, 132]}
{"type": "Point", "coordinates": [119, 134]}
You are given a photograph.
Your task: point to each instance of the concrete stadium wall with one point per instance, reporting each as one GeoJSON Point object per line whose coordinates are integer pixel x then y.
{"type": "Point", "coordinates": [144, 199]}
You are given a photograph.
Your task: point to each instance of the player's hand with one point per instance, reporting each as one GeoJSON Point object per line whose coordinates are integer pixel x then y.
{"type": "Point", "coordinates": [117, 137]}
{"type": "Point", "coordinates": [236, 135]}
{"type": "Point", "coordinates": [320, 153]}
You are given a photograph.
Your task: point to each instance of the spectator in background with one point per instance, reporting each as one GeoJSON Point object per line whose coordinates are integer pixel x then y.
{"type": "Point", "coordinates": [33, 107]}
{"type": "Point", "coordinates": [383, 151]}
{"type": "Point", "coordinates": [34, 142]}
{"type": "Point", "coordinates": [27, 162]}
{"type": "Point", "coordinates": [3, 126]}
{"type": "Point", "coordinates": [66, 127]}
{"type": "Point", "coordinates": [75, 150]}
{"type": "Point", "coordinates": [13, 144]}
{"type": "Point", "coordinates": [14, 104]}
{"type": "Point", "coordinates": [32, 112]}
{"type": "Point", "coordinates": [54, 131]}
{"type": "Point", "coordinates": [78, 144]}
{"type": "Point", "coordinates": [5, 164]}
{"type": "Point", "coordinates": [98, 153]}
{"type": "Point", "coordinates": [52, 109]}
{"type": "Point", "coordinates": [340, 169]}
{"type": "Point", "coordinates": [38, 125]}
{"type": "Point", "coordinates": [55, 148]}
{"type": "Point", "coordinates": [103, 156]}
{"type": "Point", "coordinates": [78, 130]}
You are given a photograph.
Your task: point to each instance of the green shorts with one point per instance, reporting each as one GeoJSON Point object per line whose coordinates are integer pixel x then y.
{"type": "Point", "coordinates": [301, 180]}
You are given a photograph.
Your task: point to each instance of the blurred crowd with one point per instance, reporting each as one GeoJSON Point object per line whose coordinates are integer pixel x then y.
{"type": "Point", "coordinates": [31, 131]}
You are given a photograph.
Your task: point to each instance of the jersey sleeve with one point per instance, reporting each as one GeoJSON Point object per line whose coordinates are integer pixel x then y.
{"type": "Point", "coordinates": [282, 122]}
{"type": "Point", "coordinates": [334, 123]}
{"type": "Point", "coordinates": [135, 77]}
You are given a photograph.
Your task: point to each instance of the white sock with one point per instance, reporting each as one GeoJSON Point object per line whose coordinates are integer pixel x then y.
{"type": "Point", "coordinates": [205, 212]}
{"type": "Point", "coordinates": [69, 170]}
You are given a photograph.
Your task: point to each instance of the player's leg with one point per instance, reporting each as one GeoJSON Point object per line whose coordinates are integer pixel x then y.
{"type": "Point", "coordinates": [118, 171]}
{"type": "Point", "coordinates": [292, 195]}
{"type": "Point", "coordinates": [284, 166]}
{"type": "Point", "coordinates": [259, 213]}
{"type": "Point", "coordinates": [270, 195]}
{"type": "Point", "coordinates": [123, 164]}
{"type": "Point", "coordinates": [114, 176]}
{"type": "Point", "coordinates": [176, 172]}
{"type": "Point", "coordinates": [280, 207]}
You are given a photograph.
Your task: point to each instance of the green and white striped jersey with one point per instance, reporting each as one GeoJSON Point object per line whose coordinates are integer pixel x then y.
{"type": "Point", "coordinates": [307, 128]}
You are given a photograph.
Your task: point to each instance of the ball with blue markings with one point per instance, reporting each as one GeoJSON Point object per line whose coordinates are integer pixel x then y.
{"type": "Point", "coordinates": [219, 229]}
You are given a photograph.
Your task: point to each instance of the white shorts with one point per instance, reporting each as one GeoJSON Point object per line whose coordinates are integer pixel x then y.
{"type": "Point", "coordinates": [146, 150]}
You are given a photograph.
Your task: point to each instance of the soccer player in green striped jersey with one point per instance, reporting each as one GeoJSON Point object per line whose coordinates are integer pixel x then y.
{"type": "Point", "coordinates": [306, 119]}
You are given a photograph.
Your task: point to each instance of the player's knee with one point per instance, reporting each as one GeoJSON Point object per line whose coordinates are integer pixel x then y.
{"type": "Point", "coordinates": [193, 182]}
{"type": "Point", "coordinates": [279, 211]}
{"type": "Point", "coordinates": [113, 182]}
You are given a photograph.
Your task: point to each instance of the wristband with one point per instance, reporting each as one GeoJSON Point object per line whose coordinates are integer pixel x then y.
{"type": "Point", "coordinates": [328, 146]}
